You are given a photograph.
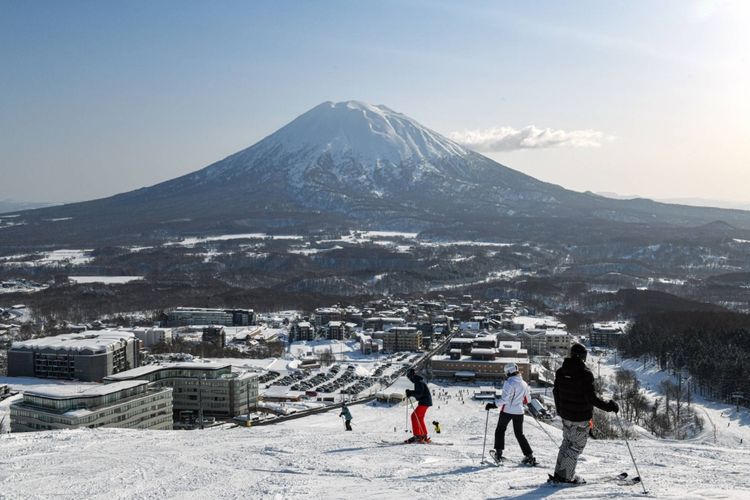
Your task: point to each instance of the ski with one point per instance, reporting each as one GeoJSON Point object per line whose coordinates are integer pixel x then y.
{"type": "Point", "coordinates": [431, 443]}
{"type": "Point", "coordinates": [621, 479]}
{"type": "Point", "coordinates": [552, 482]}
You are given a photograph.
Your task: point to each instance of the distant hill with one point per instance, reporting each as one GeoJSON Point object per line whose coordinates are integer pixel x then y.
{"type": "Point", "coordinates": [8, 205]}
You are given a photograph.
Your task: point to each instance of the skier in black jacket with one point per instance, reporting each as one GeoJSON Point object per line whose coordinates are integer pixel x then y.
{"type": "Point", "coordinates": [424, 400]}
{"type": "Point", "coordinates": [575, 399]}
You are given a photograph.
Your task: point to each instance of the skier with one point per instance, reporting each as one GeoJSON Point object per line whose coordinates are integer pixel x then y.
{"type": "Point", "coordinates": [347, 416]}
{"type": "Point", "coordinates": [424, 400]}
{"type": "Point", "coordinates": [515, 394]}
{"type": "Point", "coordinates": [575, 399]}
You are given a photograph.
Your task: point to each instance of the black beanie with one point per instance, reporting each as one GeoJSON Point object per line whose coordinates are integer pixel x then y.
{"type": "Point", "coordinates": [578, 351]}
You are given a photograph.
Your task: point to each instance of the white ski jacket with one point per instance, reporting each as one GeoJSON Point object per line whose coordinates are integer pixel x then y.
{"type": "Point", "coordinates": [516, 393]}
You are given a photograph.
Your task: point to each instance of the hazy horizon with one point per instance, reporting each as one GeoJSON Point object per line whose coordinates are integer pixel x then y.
{"type": "Point", "coordinates": [623, 97]}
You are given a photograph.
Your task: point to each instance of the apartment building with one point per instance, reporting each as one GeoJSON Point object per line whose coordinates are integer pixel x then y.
{"type": "Point", "coordinates": [400, 338]}
{"type": "Point", "coordinates": [480, 362]}
{"type": "Point", "coordinates": [215, 387]}
{"type": "Point", "coordinates": [131, 404]}
{"type": "Point", "coordinates": [184, 316]}
{"type": "Point", "coordinates": [88, 356]}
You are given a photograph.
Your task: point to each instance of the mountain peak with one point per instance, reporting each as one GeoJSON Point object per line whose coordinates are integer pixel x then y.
{"type": "Point", "coordinates": [365, 132]}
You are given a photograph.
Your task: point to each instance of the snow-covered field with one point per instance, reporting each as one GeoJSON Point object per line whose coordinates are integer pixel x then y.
{"type": "Point", "coordinates": [314, 458]}
{"type": "Point", "coordinates": [107, 280]}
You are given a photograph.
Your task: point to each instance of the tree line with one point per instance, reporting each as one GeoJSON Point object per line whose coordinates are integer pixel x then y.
{"type": "Point", "coordinates": [713, 347]}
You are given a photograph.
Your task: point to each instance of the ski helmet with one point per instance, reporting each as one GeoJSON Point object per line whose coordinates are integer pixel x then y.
{"type": "Point", "coordinates": [511, 369]}
{"type": "Point", "coordinates": [410, 373]}
{"type": "Point", "coordinates": [578, 351]}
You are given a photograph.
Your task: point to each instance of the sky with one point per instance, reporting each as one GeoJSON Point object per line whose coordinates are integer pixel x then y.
{"type": "Point", "coordinates": [632, 97]}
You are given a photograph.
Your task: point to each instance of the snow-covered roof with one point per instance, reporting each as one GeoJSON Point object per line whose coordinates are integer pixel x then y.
{"type": "Point", "coordinates": [72, 391]}
{"type": "Point", "coordinates": [142, 371]}
{"type": "Point", "coordinates": [481, 351]}
{"type": "Point", "coordinates": [96, 341]}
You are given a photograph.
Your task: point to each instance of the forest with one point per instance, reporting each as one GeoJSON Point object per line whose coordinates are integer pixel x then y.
{"type": "Point", "coordinates": [712, 347]}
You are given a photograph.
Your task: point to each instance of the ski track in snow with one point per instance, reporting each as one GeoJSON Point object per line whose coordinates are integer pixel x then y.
{"type": "Point", "coordinates": [313, 458]}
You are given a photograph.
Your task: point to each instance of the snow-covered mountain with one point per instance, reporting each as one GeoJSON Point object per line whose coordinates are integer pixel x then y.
{"type": "Point", "coordinates": [357, 165]}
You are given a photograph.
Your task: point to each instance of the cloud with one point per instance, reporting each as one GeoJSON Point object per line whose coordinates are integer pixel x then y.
{"type": "Point", "coordinates": [511, 139]}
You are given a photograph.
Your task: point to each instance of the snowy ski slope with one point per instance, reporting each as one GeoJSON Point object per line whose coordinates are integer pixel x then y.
{"type": "Point", "coordinates": [314, 458]}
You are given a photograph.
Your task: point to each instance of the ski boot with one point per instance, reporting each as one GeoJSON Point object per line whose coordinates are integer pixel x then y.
{"type": "Point", "coordinates": [529, 460]}
{"type": "Point", "coordinates": [497, 456]}
{"type": "Point", "coordinates": [577, 480]}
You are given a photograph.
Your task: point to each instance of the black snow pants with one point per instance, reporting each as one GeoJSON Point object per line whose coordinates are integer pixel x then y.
{"type": "Point", "coordinates": [502, 425]}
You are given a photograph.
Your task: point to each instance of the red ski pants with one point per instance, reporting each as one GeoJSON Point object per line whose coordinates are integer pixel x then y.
{"type": "Point", "coordinates": [418, 426]}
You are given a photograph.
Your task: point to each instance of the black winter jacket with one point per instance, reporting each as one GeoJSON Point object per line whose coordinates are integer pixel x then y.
{"type": "Point", "coordinates": [574, 391]}
{"type": "Point", "coordinates": [421, 392]}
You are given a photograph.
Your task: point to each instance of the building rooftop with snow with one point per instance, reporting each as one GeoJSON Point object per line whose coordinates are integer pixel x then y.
{"type": "Point", "coordinates": [131, 404]}
{"type": "Point", "coordinates": [222, 391]}
{"type": "Point", "coordinates": [88, 356]}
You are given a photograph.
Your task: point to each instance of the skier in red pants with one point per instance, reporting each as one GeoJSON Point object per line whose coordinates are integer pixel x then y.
{"type": "Point", "coordinates": [424, 400]}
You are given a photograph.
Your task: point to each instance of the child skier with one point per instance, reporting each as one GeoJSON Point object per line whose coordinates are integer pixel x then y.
{"type": "Point", "coordinates": [515, 394]}
{"type": "Point", "coordinates": [347, 416]}
{"type": "Point", "coordinates": [424, 400]}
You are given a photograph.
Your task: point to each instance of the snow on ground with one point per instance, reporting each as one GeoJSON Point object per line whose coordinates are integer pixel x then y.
{"type": "Point", "coordinates": [313, 458]}
{"type": "Point", "coordinates": [54, 258]}
{"type": "Point", "coordinates": [722, 423]}
{"type": "Point", "coordinates": [189, 242]}
{"type": "Point", "coordinates": [107, 280]}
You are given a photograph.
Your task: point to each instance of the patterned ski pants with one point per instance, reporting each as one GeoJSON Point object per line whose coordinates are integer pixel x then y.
{"type": "Point", "coordinates": [575, 435]}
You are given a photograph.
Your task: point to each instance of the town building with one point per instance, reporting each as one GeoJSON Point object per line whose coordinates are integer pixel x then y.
{"type": "Point", "coordinates": [220, 391]}
{"type": "Point", "coordinates": [400, 338]}
{"type": "Point", "coordinates": [380, 323]}
{"type": "Point", "coordinates": [480, 362]}
{"type": "Point", "coordinates": [88, 356]}
{"type": "Point", "coordinates": [149, 337]}
{"type": "Point", "coordinates": [368, 345]}
{"type": "Point", "coordinates": [131, 404]}
{"type": "Point", "coordinates": [559, 342]}
{"type": "Point", "coordinates": [335, 330]}
{"type": "Point", "coordinates": [324, 315]}
{"type": "Point", "coordinates": [184, 316]}
{"type": "Point", "coordinates": [215, 335]}
{"type": "Point", "coordinates": [607, 334]}
{"type": "Point", "coordinates": [302, 330]}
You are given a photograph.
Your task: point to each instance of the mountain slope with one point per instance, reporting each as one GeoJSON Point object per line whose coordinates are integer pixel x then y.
{"type": "Point", "coordinates": [352, 164]}
{"type": "Point", "coordinates": [314, 458]}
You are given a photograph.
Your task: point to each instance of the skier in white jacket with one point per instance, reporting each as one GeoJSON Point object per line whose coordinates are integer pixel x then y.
{"type": "Point", "coordinates": [515, 394]}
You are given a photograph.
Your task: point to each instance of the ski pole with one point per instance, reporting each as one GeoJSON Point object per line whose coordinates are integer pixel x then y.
{"type": "Point", "coordinates": [406, 422]}
{"type": "Point", "coordinates": [545, 431]}
{"type": "Point", "coordinates": [484, 443]}
{"type": "Point", "coordinates": [625, 437]}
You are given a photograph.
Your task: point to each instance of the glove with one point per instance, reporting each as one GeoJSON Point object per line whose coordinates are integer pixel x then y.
{"type": "Point", "coordinates": [613, 406]}
{"type": "Point", "coordinates": [490, 406]}
{"type": "Point", "coordinates": [409, 393]}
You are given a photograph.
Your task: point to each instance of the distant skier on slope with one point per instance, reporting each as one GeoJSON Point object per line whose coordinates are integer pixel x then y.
{"type": "Point", "coordinates": [347, 416]}
{"type": "Point", "coordinates": [424, 400]}
{"type": "Point", "coordinates": [575, 399]}
{"type": "Point", "coordinates": [515, 394]}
